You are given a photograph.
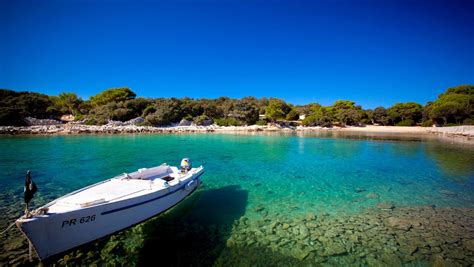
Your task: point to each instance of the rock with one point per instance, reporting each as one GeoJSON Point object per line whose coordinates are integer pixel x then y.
{"type": "Point", "coordinates": [372, 195]}
{"type": "Point", "coordinates": [259, 208]}
{"type": "Point", "coordinates": [359, 190]}
{"type": "Point", "coordinates": [30, 121]}
{"type": "Point", "coordinates": [67, 118]}
{"type": "Point", "coordinates": [285, 226]}
{"type": "Point", "coordinates": [385, 205]}
{"type": "Point", "coordinates": [136, 121]}
{"type": "Point", "coordinates": [185, 122]}
{"type": "Point", "coordinates": [469, 244]}
{"type": "Point", "coordinates": [333, 249]}
{"type": "Point", "coordinates": [303, 232]}
{"type": "Point", "coordinates": [397, 223]}
{"type": "Point", "coordinates": [438, 261]}
{"type": "Point", "coordinates": [207, 122]}
{"type": "Point", "coordinates": [310, 217]}
{"type": "Point", "coordinates": [447, 193]}
{"type": "Point", "coordinates": [300, 254]}
{"type": "Point", "coordinates": [456, 254]}
{"type": "Point", "coordinates": [391, 260]}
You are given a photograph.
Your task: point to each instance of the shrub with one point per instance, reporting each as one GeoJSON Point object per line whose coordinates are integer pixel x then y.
{"type": "Point", "coordinates": [90, 122]}
{"type": "Point", "coordinates": [427, 123]}
{"type": "Point", "coordinates": [261, 123]}
{"type": "Point", "coordinates": [407, 122]}
{"type": "Point", "coordinates": [468, 121]}
{"type": "Point", "coordinates": [292, 115]}
{"type": "Point", "coordinates": [228, 122]}
{"type": "Point", "coordinates": [157, 119]}
{"type": "Point", "coordinates": [201, 120]}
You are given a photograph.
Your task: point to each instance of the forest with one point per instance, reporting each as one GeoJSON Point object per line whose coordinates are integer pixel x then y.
{"type": "Point", "coordinates": [453, 107]}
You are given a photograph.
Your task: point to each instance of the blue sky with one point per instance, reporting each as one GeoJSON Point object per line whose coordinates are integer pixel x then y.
{"type": "Point", "coordinates": [372, 52]}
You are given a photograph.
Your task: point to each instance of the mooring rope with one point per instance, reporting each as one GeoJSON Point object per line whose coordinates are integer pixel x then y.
{"type": "Point", "coordinates": [8, 228]}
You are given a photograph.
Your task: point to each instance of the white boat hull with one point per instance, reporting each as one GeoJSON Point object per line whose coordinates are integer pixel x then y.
{"type": "Point", "coordinates": [56, 233]}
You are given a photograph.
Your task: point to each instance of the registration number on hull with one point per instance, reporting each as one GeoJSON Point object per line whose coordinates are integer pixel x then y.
{"type": "Point", "coordinates": [75, 221]}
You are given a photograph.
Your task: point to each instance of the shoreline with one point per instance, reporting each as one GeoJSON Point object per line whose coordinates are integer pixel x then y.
{"type": "Point", "coordinates": [455, 132]}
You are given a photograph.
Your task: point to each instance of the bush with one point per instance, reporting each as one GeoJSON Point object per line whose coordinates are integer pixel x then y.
{"type": "Point", "coordinates": [90, 122]}
{"type": "Point", "coordinates": [261, 123]}
{"type": "Point", "coordinates": [427, 123]}
{"type": "Point", "coordinates": [292, 115]}
{"type": "Point", "coordinates": [228, 122]}
{"type": "Point", "coordinates": [468, 121]}
{"type": "Point", "coordinates": [202, 120]}
{"type": "Point", "coordinates": [157, 119]}
{"type": "Point", "coordinates": [406, 123]}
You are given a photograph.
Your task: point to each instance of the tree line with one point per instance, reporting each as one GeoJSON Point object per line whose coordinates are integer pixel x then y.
{"type": "Point", "coordinates": [453, 107]}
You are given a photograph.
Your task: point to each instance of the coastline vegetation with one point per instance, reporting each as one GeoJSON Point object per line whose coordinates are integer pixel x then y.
{"type": "Point", "coordinates": [453, 107]}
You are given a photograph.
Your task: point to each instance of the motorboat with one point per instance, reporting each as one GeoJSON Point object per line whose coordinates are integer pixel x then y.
{"type": "Point", "coordinates": [106, 207]}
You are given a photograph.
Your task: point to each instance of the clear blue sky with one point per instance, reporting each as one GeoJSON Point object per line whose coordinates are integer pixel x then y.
{"type": "Point", "coordinates": [372, 52]}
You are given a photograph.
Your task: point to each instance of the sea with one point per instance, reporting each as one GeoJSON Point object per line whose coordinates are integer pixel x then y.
{"type": "Point", "coordinates": [305, 199]}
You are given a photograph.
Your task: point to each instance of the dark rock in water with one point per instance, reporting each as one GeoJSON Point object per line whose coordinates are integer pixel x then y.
{"type": "Point", "coordinates": [385, 205]}
{"type": "Point", "coordinates": [359, 199]}
{"type": "Point", "coordinates": [359, 190]}
{"type": "Point", "coordinates": [257, 184]}
{"type": "Point", "coordinates": [448, 193]}
{"type": "Point", "coordinates": [259, 208]}
{"type": "Point", "coordinates": [269, 192]}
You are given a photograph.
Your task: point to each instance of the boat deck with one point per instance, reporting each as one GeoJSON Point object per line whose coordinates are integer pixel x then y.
{"type": "Point", "coordinates": [119, 188]}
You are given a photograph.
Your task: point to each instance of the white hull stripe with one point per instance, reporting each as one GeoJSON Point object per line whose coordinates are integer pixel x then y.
{"type": "Point", "coordinates": [153, 199]}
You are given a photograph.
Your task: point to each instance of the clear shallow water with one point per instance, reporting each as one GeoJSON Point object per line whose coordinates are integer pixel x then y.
{"type": "Point", "coordinates": [247, 176]}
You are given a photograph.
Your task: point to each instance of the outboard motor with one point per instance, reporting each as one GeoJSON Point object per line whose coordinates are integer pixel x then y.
{"type": "Point", "coordinates": [185, 165]}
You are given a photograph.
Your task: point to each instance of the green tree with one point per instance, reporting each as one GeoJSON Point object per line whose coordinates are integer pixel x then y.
{"type": "Point", "coordinates": [405, 111]}
{"type": "Point", "coordinates": [292, 115]}
{"type": "Point", "coordinates": [346, 112]}
{"type": "Point", "coordinates": [276, 109]}
{"type": "Point", "coordinates": [453, 106]}
{"type": "Point", "coordinates": [380, 116]}
{"type": "Point", "coordinates": [319, 116]}
{"type": "Point", "coordinates": [67, 103]}
{"type": "Point", "coordinates": [245, 110]}
{"type": "Point", "coordinates": [112, 95]}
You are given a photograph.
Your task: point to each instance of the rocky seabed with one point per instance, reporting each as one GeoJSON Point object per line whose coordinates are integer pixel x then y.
{"type": "Point", "coordinates": [386, 236]}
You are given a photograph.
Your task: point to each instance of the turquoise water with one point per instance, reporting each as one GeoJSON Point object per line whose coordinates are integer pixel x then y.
{"type": "Point", "coordinates": [256, 177]}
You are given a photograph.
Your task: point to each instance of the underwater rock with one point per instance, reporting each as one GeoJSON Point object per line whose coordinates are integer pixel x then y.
{"type": "Point", "coordinates": [372, 195]}
{"type": "Point", "coordinates": [398, 223]}
{"type": "Point", "coordinates": [359, 190]}
{"type": "Point", "coordinates": [385, 205]}
{"type": "Point", "coordinates": [469, 244]}
{"type": "Point", "coordinates": [285, 226]}
{"type": "Point", "coordinates": [333, 249]}
{"type": "Point", "coordinates": [303, 231]}
{"type": "Point", "coordinates": [259, 208]}
{"type": "Point", "coordinates": [438, 261]}
{"type": "Point", "coordinates": [310, 216]}
{"type": "Point", "coordinates": [300, 254]}
{"type": "Point", "coordinates": [448, 193]}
